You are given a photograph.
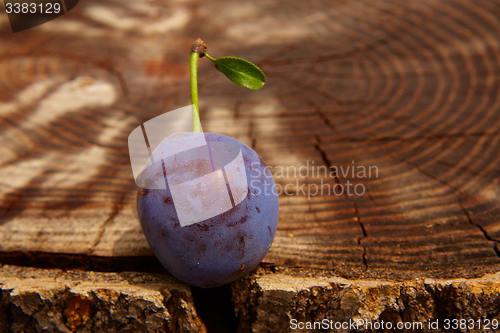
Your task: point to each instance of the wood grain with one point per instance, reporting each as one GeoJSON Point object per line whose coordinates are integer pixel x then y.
{"type": "Point", "coordinates": [410, 88]}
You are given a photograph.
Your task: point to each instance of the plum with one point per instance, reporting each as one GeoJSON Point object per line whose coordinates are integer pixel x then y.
{"type": "Point", "coordinates": [228, 238]}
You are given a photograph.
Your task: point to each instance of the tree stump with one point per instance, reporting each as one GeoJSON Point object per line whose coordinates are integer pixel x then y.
{"type": "Point", "coordinates": [379, 121]}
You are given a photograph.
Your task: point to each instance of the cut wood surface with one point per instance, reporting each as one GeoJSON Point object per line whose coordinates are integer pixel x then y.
{"type": "Point", "coordinates": [406, 90]}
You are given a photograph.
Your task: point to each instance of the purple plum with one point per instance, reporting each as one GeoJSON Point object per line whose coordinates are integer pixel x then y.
{"type": "Point", "coordinates": [227, 245]}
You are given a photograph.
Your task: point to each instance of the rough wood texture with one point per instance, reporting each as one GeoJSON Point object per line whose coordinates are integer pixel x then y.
{"type": "Point", "coordinates": [42, 300]}
{"type": "Point", "coordinates": [408, 87]}
{"type": "Point", "coordinates": [33, 300]}
{"type": "Point", "coordinates": [271, 303]}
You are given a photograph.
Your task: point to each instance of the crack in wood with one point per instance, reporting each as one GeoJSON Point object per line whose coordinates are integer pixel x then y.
{"type": "Point", "coordinates": [485, 233]}
{"type": "Point", "coordinates": [237, 106]}
{"type": "Point", "coordinates": [327, 161]}
{"type": "Point", "coordinates": [250, 135]}
{"type": "Point", "coordinates": [360, 239]}
{"type": "Point", "coordinates": [356, 212]}
{"type": "Point", "coordinates": [215, 308]}
{"type": "Point", "coordinates": [321, 114]}
{"type": "Point", "coordinates": [370, 196]}
{"type": "Point", "coordinates": [102, 228]}
{"type": "Point", "coordinates": [461, 196]}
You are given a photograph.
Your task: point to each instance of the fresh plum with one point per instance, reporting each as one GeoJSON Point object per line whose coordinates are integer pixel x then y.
{"type": "Point", "coordinates": [229, 242]}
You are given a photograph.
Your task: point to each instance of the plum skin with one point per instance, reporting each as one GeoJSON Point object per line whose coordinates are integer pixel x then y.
{"type": "Point", "coordinates": [220, 249]}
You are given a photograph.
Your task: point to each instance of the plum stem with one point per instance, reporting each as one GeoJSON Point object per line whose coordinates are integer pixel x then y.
{"type": "Point", "coordinates": [197, 51]}
{"type": "Point", "coordinates": [209, 57]}
{"type": "Point", "coordinates": [240, 71]}
{"type": "Point", "coordinates": [193, 69]}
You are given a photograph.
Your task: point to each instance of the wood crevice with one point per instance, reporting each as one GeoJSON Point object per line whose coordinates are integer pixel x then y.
{"type": "Point", "coordinates": [484, 232]}
{"type": "Point", "coordinates": [355, 206]}
{"type": "Point", "coordinates": [323, 116]}
{"type": "Point", "coordinates": [250, 133]}
{"type": "Point", "coordinates": [360, 239]}
{"type": "Point", "coordinates": [461, 196]}
{"type": "Point", "coordinates": [116, 209]}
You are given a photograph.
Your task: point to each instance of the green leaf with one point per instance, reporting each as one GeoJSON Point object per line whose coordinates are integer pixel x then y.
{"type": "Point", "coordinates": [240, 71]}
